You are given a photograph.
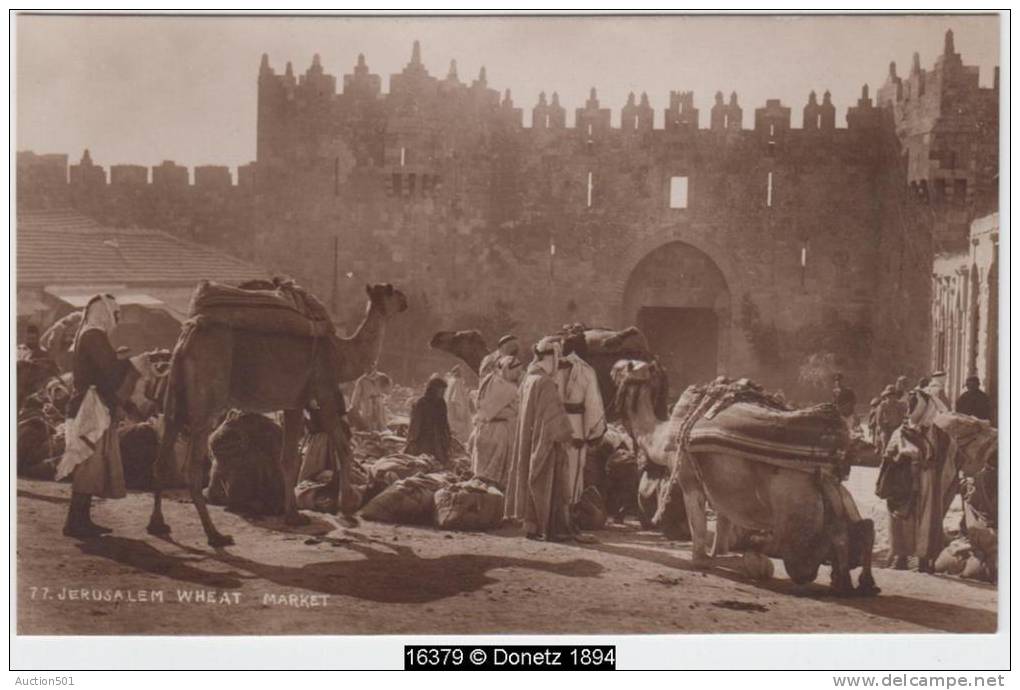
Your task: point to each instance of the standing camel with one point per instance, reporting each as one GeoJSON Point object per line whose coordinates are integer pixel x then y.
{"type": "Point", "coordinates": [216, 368]}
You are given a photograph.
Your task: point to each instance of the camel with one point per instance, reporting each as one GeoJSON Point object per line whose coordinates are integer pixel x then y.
{"type": "Point", "coordinates": [659, 500]}
{"type": "Point", "coordinates": [600, 347]}
{"type": "Point", "coordinates": [797, 516]}
{"type": "Point", "coordinates": [216, 368]}
{"type": "Point", "coordinates": [469, 346]}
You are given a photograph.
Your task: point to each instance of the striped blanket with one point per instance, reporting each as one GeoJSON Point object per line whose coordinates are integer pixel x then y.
{"type": "Point", "coordinates": [799, 439]}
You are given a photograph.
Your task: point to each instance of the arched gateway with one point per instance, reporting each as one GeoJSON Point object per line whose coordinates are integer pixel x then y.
{"type": "Point", "coordinates": [679, 298]}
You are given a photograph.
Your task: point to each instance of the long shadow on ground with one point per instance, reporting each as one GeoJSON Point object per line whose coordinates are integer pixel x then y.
{"type": "Point", "coordinates": [924, 612]}
{"type": "Point", "coordinates": [143, 556]}
{"type": "Point", "coordinates": [392, 573]}
{"type": "Point", "coordinates": [387, 573]}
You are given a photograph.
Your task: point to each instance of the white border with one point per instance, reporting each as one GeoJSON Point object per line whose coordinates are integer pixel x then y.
{"type": "Point", "coordinates": [710, 652]}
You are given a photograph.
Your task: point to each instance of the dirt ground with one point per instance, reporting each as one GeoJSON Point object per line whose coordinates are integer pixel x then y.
{"type": "Point", "coordinates": [382, 579]}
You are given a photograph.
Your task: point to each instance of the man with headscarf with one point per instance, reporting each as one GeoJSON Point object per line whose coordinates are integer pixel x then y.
{"type": "Point", "coordinates": [902, 388]}
{"type": "Point", "coordinates": [579, 388]}
{"type": "Point", "coordinates": [538, 492]}
{"type": "Point", "coordinates": [496, 422]}
{"type": "Point", "coordinates": [891, 411]}
{"type": "Point", "coordinates": [506, 347]}
{"type": "Point", "coordinates": [458, 404]}
{"type": "Point", "coordinates": [930, 454]}
{"type": "Point", "coordinates": [429, 430]}
{"type": "Point", "coordinates": [102, 384]}
{"type": "Point", "coordinates": [368, 401]}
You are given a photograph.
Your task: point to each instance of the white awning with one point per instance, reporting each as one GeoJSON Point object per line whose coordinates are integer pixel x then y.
{"type": "Point", "coordinates": [78, 296]}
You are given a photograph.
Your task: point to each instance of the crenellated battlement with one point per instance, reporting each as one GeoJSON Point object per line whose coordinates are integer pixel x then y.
{"type": "Point", "coordinates": [53, 170]}
{"type": "Point", "coordinates": [415, 88]}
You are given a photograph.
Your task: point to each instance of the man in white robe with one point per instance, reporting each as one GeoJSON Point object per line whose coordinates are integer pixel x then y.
{"type": "Point", "coordinates": [579, 388]}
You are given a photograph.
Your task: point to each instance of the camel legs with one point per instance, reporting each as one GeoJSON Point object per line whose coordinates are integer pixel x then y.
{"type": "Point", "coordinates": [157, 525]}
{"type": "Point", "coordinates": [349, 502]}
{"type": "Point", "coordinates": [721, 542]}
{"type": "Point", "coordinates": [863, 537]}
{"type": "Point", "coordinates": [837, 530]}
{"type": "Point", "coordinates": [694, 502]}
{"type": "Point", "coordinates": [197, 444]}
{"type": "Point", "coordinates": [290, 465]}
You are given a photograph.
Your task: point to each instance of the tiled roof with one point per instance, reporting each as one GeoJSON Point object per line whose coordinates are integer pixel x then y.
{"type": "Point", "coordinates": [65, 247]}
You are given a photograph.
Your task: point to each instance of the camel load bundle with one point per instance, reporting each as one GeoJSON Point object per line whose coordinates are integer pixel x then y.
{"type": "Point", "coordinates": [741, 419]}
{"type": "Point", "coordinates": [280, 306]}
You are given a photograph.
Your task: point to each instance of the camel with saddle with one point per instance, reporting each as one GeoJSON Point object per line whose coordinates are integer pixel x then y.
{"type": "Point", "coordinates": [773, 472]}
{"type": "Point", "coordinates": [265, 347]}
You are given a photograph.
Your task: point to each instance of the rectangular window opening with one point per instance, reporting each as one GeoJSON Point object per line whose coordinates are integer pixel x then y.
{"type": "Point", "coordinates": [768, 191]}
{"type": "Point", "coordinates": [772, 130]}
{"type": "Point", "coordinates": [818, 120]}
{"type": "Point", "coordinates": [678, 192]}
{"type": "Point", "coordinates": [403, 156]}
{"type": "Point", "coordinates": [547, 121]}
{"type": "Point", "coordinates": [803, 263]}
{"type": "Point", "coordinates": [726, 121]}
{"type": "Point", "coordinates": [589, 129]}
{"type": "Point", "coordinates": [589, 188]}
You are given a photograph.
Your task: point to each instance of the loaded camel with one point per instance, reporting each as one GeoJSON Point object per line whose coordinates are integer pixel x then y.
{"type": "Point", "coordinates": [601, 348]}
{"type": "Point", "coordinates": [802, 517]}
{"type": "Point", "coordinates": [216, 367]}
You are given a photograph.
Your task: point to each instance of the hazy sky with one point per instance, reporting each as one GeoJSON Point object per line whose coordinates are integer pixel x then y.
{"type": "Point", "coordinates": [141, 90]}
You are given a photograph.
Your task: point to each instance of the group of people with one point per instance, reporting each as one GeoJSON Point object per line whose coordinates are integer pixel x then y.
{"type": "Point", "coordinates": [531, 430]}
{"type": "Point", "coordinates": [918, 477]}
{"type": "Point", "coordinates": [527, 430]}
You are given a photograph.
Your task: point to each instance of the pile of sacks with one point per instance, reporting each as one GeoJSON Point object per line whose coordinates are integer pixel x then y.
{"type": "Point", "coordinates": [439, 499]}
{"type": "Point", "coordinates": [404, 489]}
{"type": "Point", "coordinates": [371, 444]}
{"type": "Point", "coordinates": [40, 440]}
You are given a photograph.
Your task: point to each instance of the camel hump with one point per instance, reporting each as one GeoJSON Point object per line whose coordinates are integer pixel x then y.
{"type": "Point", "coordinates": [278, 307]}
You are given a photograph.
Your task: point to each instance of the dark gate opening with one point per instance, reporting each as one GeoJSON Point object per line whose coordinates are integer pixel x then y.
{"type": "Point", "coordinates": [686, 341]}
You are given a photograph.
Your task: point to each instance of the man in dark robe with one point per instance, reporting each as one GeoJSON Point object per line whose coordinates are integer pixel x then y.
{"type": "Point", "coordinates": [429, 429]}
{"type": "Point", "coordinates": [975, 401]}
{"type": "Point", "coordinates": [538, 491]}
{"type": "Point", "coordinates": [97, 368]}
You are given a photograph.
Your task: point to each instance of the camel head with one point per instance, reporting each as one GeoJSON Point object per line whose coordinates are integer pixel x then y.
{"type": "Point", "coordinates": [386, 298]}
{"type": "Point", "coordinates": [467, 345]}
{"type": "Point", "coordinates": [635, 390]}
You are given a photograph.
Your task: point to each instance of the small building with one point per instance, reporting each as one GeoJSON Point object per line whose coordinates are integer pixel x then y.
{"type": "Point", "coordinates": [965, 311]}
{"type": "Point", "coordinates": [64, 258]}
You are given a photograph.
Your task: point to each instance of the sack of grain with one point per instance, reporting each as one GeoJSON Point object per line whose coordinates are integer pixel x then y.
{"type": "Point", "coordinates": [408, 501]}
{"type": "Point", "coordinates": [471, 506]}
